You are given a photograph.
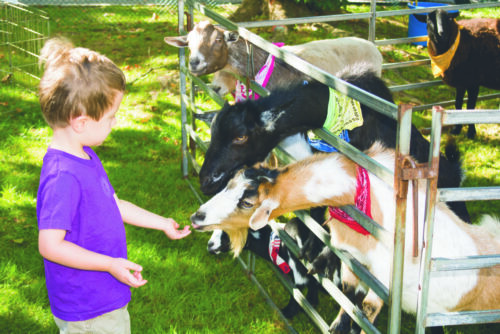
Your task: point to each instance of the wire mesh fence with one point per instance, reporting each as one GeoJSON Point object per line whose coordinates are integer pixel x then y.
{"type": "Point", "coordinates": [25, 25]}
{"type": "Point", "coordinates": [23, 31]}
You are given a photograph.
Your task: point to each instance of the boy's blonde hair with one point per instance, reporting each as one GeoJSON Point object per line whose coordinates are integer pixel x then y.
{"type": "Point", "coordinates": [76, 81]}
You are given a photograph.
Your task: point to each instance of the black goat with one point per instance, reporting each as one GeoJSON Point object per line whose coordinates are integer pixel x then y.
{"type": "Point", "coordinates": [246, 132]}
{"type": "Point", "coordinates": [258, 242]}
{"type": "Point", "coordinates": [474, 62]}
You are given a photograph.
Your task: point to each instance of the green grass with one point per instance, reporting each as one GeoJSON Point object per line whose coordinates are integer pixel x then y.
{"type": "Point", "coordinates": [189, 291]}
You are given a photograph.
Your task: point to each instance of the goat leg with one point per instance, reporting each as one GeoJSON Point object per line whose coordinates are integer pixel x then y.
{"type": "Point", "coordinates": [459, 101]}
{"type": "Point", "coordinates": [472, 93]}
{"type": "Point", "coordinates": [312, 244]}
{"type": "Point", "coordinates": [343, 323]}
{"type": "Point", "coordinates": [291, 309]}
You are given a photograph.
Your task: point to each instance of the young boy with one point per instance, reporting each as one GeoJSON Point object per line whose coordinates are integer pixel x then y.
{"type": "Point", "coordinates": [80, 218]}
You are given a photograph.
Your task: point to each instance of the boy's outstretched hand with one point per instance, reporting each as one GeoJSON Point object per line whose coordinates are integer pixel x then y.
{"type": "Point", "coordinates": [172, 230]}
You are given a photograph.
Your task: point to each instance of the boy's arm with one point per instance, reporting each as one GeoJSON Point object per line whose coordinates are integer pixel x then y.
{"type": "Point", "coordinates": [134, 215]}
{"type": "Point", "coordinates": [53, 247]}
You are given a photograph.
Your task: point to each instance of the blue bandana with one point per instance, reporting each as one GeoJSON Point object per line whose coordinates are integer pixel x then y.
{"type": "Point", "coordinates": [323, 146]}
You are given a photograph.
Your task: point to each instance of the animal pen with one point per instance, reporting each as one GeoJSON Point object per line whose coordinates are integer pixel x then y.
{"type": "Point", "coordinates": [24, 30]}
{"type": "Point", "coordinates": [404, 173]}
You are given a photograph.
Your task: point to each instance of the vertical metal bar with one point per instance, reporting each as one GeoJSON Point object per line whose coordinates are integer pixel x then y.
{"type": "Point", "coordinates": [182, 79]}
{"type": "Point", "coordinates": [401, 189]}
{"type": "Point", "coordinates": [430, 205]}
{"type": "Point", "coordinates": [373, 18]}
{"type": "Point", "coordinates": [192, 143]}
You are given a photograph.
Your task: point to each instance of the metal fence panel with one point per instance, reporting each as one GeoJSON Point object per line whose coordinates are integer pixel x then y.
{"type": "Point", "coordinates": [23, 30]}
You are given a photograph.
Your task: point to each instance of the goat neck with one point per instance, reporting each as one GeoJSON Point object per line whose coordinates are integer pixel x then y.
{"type": "Point", "coordinates": [301, 108]}
{"type": "Point", "coordinates": [322, 180]}
{"type": "Point", "coordinates": [240, 52]}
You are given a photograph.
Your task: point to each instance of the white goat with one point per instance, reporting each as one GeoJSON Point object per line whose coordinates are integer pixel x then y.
{"type": "Point", "coordinates": [256, 195]}
{"type": "Point", "coordinates": [214, 49]}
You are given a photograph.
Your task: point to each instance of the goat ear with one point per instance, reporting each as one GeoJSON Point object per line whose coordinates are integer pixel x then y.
{"type": "Point", "coordinates": [177, 41]}
{"type": "Point", "coordinates": [453, 15]}
{"type": "Point", "coordinates": [206, 116]}
{"type": "Point", "coordinates": [260, 217]}
{"type": "Point", "coordinates": [421, 17]}
{"type": "Point", "coordinates": [231, 36]}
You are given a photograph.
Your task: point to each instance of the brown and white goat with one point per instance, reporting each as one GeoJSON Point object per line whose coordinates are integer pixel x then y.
{"type": "Point", "coordinates": [256, 195]}
{"type": "Point", "coordinates": [214, 49]}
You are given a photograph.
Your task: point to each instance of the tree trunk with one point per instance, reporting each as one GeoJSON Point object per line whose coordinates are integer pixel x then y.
{"type": "Point", "coordinates": [250, 10]}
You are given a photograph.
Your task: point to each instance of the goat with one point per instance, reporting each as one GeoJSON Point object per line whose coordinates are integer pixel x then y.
{"type": "Point", "coordinates": [259, 241]}
{"type": "Point", "coordinates": [466, 54]}
{"type": "Point", "coordinates": [246, 132]}
{"type": "Point", "coordinates": [256, 195]}
{"type": "Point", "coordinates": [213, 49]}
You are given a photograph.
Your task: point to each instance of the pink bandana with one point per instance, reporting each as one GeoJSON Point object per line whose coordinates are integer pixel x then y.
{"type": "Point", "coordinates": [274, 248]}
{"type": "Point", "coordinates": [362, 202]}
{"type": "Point", "coordinates": [261, 78]}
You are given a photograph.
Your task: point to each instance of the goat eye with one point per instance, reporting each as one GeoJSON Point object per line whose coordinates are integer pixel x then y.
{"type": "Point", "coordinates": [240, 140]}
{"type": "Point", "coordinates": [246, 204]}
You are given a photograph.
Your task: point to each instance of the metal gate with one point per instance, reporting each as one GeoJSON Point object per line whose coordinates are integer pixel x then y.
{"type": "Point", "coordinates": [403, 114]}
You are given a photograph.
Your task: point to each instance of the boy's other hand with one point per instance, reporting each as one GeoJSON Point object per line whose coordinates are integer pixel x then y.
{"type": "Point", "coordinates": [172, 230]}
{"type": "Point", "coordinates": [120, 268]}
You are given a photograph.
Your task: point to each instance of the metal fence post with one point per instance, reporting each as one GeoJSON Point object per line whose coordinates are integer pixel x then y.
{"type": "Point", "coordinates": [430, 205]}
{"type": "Point", "coordinates": [401, 189]}
{"type": "Point", "coordinates": [373, 18]}
{"type": "Point", "coordinates": [182, 79]}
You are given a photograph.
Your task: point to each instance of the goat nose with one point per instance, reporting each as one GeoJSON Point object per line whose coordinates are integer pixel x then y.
{"type": "Point", "coordinates": [206, 181]}
{"type": "Point", "coordinates": [198, 216]}
{"type": "Point", "coordinates": [194, 62]}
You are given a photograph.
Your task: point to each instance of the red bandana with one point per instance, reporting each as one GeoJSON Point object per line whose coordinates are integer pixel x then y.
{"type": "Point", "coordinates": [274, 248]}
{"type": "Point", "coordinates": [362, 202]}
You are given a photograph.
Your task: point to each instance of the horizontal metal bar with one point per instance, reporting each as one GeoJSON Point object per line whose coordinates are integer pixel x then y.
{"type": "Point", "coordinates": [201, 144]}
{"type": "Point", "coordinates": [296, 293]}
{"type": "Point", "coordinates": [357, 156]}
{"type": "Point", "coordinates": [376, 230]}
{"type": "Point", "coordinates": [390, 66]}
{"type": "Point", "coordinates": [403, 40]}
{"type": "Point", "coordinates": [452, 102]}
{"type": "Point", "coordinates": [357, 268]}
{"type": "Point", "coordinates": [216, 97]}
{"type": "Point", "coordinates": [305, 20]}
{"type": "Point", "coordinates": [462, 318]}
{"type": "Point", "coordinates": [424, 84]}
{"type": "Point", "coordinates": [465, 263]}
{"type": "Point", "coordinates": [468, 194]}
{"type": "Point", "coordinates": [401, 12]}
{"type": "Point", "coordinates": [254, 85]}
{"type": "Point", "coordinates": [264, 293]}
{"type": "Point", "coordinates": [332, 289]}
{"type": "Point", "coordinates": [198, 197]}
{"type": "Point", "coordinates": [451, 117]}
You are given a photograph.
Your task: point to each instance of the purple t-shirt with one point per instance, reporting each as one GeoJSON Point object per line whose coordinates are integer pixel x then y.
{"type": "Point", "coordinates": [75, 195]}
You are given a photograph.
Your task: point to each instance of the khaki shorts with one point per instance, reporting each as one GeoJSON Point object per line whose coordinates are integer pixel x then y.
{"type": "Point", "coordinates": [114, 322]}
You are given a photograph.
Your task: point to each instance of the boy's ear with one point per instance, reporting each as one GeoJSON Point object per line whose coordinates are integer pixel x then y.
{"type": "Point", "coordinates": [78, 123]}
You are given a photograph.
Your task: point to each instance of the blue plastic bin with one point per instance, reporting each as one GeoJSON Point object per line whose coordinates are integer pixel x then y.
{"type": "Point", "coordinates": [417, 28]}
